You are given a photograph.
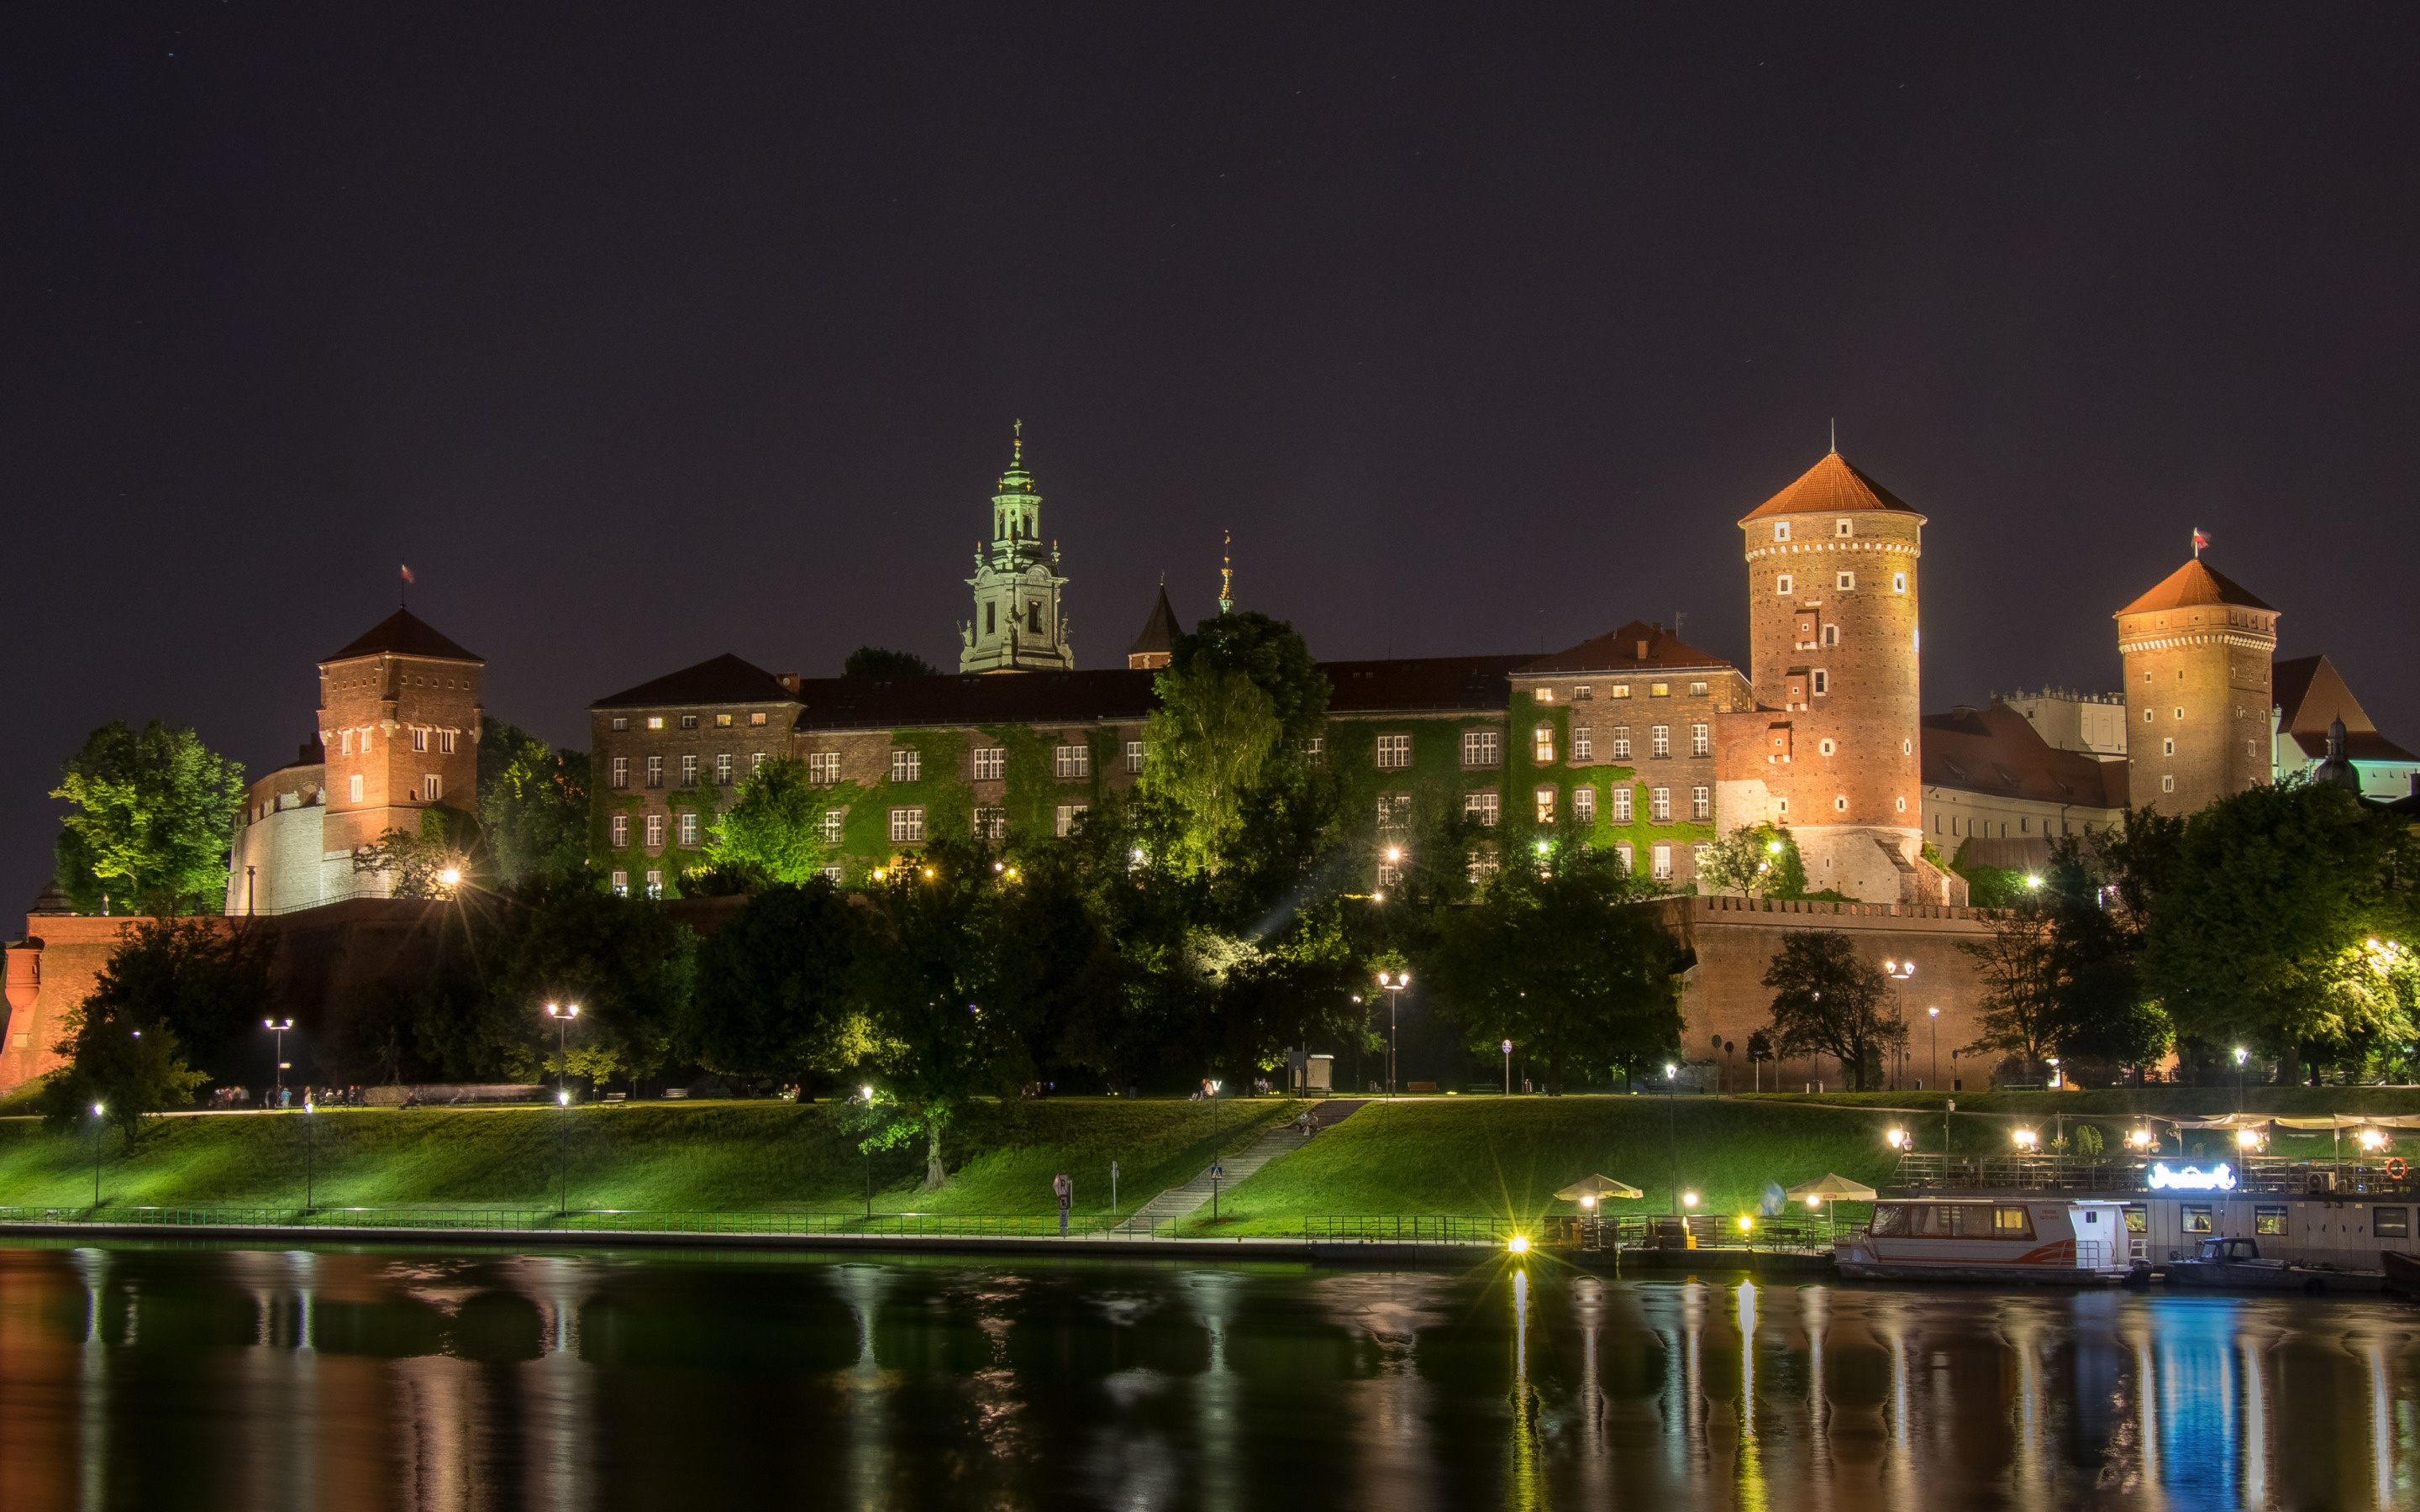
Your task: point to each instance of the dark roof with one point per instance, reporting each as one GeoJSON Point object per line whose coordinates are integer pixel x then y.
{"type": "Point", "coordinates": [992, 698]}
{"type": "Point", "coordinates": [405, 633]}
{"type": "Point", "coordinates": [1830, 486]}
{"type": "Point", "coordinates": [724, 679]}
{"type": "Point", "coordinates": [1998, 751]}
{"type": "Point", "coordinates": [1428, 684]}
{"type": "Point", "coordinates": [2311, 695]}
{"type": "Point", "coordinates": [1158, 630]}
{"type": "Point", "coordinates": [2360, 745]}
{"type": "Point", "coordinates": [2195, 583]}
{"type": "Point", "coordinates": [1637, 646]}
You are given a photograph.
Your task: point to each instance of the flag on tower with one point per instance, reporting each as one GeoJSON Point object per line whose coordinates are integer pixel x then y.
{"type": "Point", "coordinates": [409, 578]}
{"type": "Point", "coordinates": [2201, 543]}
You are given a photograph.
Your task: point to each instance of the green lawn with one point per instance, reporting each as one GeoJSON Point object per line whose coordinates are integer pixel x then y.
{"type": "Point", "coordinates": [721, 1157]}
{"type": "Point", "coordinates": [2117, 1101]}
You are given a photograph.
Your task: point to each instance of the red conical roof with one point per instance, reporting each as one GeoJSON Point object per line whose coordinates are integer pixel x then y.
{"type": "Point", "coordinates": [1830, 486]}
{"type": "Point", "coordinates": [2194, 583]}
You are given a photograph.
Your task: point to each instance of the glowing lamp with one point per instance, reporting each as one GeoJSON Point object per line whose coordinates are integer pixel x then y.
{"type": "Point", "coordinates": [2026, 1139]}
{"type": "Point", "coordinates": [2139, 1138]}
{"type": "Point", "coordinates": [1746, 1224]}
{"type": "Point", "coordinates": [2247, 1138]}
{"type": "Point", "coordinates": [1814, 1200]}
{"type": "Point", "coordinates": [2372, 1140]}
{"type": "Point", "coordinates": [1688, 1199]}
{"type": "Point", "coordinates": [1518, 1244]}
{"type": "Point", "coordinates": [450, 876]}
{"type": "Point", "coordinates": [96, 1110]}
{"type": "Point", "coordinates": [1898, 1138]}
{"type": "Point", "coordinates": [1587, 1202]}
{"type": "Point", "coordinates": [1394, 852]}
{"type": "Point", "coordinates": [563, 1098]}
{"type": "Point", "coordinates": [866, 1092]}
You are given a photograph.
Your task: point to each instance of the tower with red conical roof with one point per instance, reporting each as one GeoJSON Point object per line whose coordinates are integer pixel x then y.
{"type": "Point", "coordinates": [2197, 650]}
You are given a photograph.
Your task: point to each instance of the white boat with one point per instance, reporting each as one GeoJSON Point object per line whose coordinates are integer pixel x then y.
{"type": "Point", "coordinates": [2062, 1241]}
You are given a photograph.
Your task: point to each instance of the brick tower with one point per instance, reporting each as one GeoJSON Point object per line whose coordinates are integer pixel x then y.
{"type": "Point", "coordinates": [2197, 651]}
{"type": "Point", "coordinates": [1830, 750]}
{"type": "Point", "coordinates": [400, 721]}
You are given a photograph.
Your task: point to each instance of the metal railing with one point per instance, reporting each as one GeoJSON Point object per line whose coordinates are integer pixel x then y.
{"type": "Point", "coordinates": [2263, 1174]}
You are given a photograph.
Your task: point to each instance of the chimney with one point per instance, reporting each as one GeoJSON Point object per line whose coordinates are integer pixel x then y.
{"type": "Point", "coordinates": [788, 680]}
{"type": "Point", "coordinates": [1642, 651]}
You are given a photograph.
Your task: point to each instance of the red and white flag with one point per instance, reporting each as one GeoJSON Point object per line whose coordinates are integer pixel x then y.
{"type": "Point", "coordinates": [410, 578]}
{"type": "Point", "coordinates": [2201, 543]}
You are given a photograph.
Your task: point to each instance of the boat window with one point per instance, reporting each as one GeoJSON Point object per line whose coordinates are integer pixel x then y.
{"type": "Point", "coordinates": [1890, 1218]}
{"type": "Point", "coordinates": [2197, 1221]}
{"type": "Point", "coordinates": [2390, 1222]}
{"type": "Point", "coordinates": [2012, 1223]}
{"type": "Point", "coordinates": [2137, 1221]}
{"type": "Point", "coordinates": [2269, 1220]}
{"type": "Point", "coordinates": [2091, 1215]}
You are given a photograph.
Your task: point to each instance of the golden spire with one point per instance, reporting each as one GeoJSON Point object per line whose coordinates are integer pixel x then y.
{"type": "Point", "coordinates": [1227, 576]}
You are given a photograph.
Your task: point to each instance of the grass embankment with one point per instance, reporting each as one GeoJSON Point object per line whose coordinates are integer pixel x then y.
{"type": "Point", "coordinates": [727, 1157]}
{"type": "Point", "coordinates": [2120, 1102]}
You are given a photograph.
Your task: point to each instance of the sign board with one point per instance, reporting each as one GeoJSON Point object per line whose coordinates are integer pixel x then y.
{"type": "Point", "coordinates": [2219, 1178]}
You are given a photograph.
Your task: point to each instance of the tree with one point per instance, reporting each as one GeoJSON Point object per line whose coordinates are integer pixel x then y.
{"type": "Point", "coordinates": [873, 661]}
{"type": "Point", "coordinates": [533, 804]}
{"type": "Point", "coordinates": [774, 996]}
{"type": "Point", "coordinates": [415, 865]}
{"type": "Point", "coordinates": [773, 831]}
{"type": "Point", "coordinates": [1826, 1001]}
{"type": "Point", "coordinates": [154, 812]}
{"type": "Point", "coordinates": [175, 1003]}
{"type": "Point", "coordinates": [1557, 958]}
{"type": "Point", "coordinates": [1758, 860]}
{"type": "Point", "coordinates": [1210, 738]}
{"type": "Point", "coordinates": [2017, 965]}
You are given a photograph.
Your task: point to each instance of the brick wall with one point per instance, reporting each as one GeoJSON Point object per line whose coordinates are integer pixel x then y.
{"type": "Point", "coordinates": [2202, 675]}
{"type": "Point", "coordinates": [412, 709]}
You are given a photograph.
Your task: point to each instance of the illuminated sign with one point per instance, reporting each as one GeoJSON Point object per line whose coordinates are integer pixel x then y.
{"type": "Point", "coordinates": [2219, 1178]}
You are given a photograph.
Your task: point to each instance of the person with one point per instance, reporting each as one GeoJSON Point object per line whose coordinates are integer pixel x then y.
{"type": "Point", "coordinates": [1064, 1186]}
{"type": "Point", "coordinates": [1302, 1122]}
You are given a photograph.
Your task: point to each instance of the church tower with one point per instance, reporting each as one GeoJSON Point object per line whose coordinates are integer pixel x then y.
{"type": "Point", "coordinates": [1020, 622]}
{"type": "Point", "coordinates": [2198, 704]}
{"type": "Point", "coordinates": [1830, 752]}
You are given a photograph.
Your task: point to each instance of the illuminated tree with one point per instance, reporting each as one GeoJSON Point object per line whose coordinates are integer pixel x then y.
{"type": "Point", "coordinates": [153, 813]}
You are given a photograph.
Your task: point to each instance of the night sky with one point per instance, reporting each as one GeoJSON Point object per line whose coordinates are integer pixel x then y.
{"type": "Point", "coordinates": [643, 333]}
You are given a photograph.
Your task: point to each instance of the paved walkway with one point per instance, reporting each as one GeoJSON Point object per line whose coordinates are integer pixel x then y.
{"type": "Point", "coordinates": [1181, 1202]}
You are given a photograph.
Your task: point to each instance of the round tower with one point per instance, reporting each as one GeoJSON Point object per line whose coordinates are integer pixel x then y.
{"type": "Point", "coordinates": [2197, 651]}
{"type": "Point", "coordinates": [1833, 657]}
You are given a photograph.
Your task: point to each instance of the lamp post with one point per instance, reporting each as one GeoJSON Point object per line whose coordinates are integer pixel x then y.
{"type": "Point", "coordinates": [310, 1153]}
{"type": "Point", "coordinates": [2241, 1056]}
{"type": "Point", "coordinates": [562, 1014]}
{"type": "Point", "coordinates": [1899, 971]}
{"type": "Point", "coordinates": [1508, 1067]}
{"type": "Point", "coordinates": [278, 1027]}
{"type": "Point", "coordinates": [562, 1154]}
{"type": "Point", "coordinates": [1936, 1047]}
{"type": "Point", "coordinates": [867, 1092]}
{"type": "Point", "coordinates": [1672, 1118]}
{"type": "Point", "coordinates": [95, 1156]}
{"type": "Point", "coordinates": [1394, 981]}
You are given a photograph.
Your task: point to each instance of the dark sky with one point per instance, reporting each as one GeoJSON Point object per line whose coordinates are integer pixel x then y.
{"type": "Point", "coordinates": [648, 333]}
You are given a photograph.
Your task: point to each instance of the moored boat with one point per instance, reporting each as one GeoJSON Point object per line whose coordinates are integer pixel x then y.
{"type": "Point", "coordinates": [2237, 1265]}
{"type": "Point", "coordinates": [2065, 1241]}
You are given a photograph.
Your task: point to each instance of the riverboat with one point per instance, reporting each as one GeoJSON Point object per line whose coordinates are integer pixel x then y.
{"type": "Point", "coordinates": [2066, 1241]}
{"type": "Point", "coordinates": [2238, 1265]}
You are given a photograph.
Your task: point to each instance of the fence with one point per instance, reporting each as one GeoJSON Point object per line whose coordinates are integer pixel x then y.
{"type": "Point", "coordinates": [2263, 1174]}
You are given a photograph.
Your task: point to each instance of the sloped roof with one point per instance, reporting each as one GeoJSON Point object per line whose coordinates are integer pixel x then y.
{"type": "Point", "coordinates": [724, 679]}
{"type": "Point", "coordinates": [1830, 486]}
{"type": "Point", "coordinates": [1000, 698]}
{"type": "Point", "coordinates": [2360, 745]}
{"type": "Point", "coordinates": [1637, 646]}
{"type": "Point", "coordinates": [2197, 582]}
{"type": "Point", "coordinates": [1158, 630]}
{"type": "Point", "coordinates": [405, 633]}
{"type": "Point", "coordinates": [1998, 751]}
{"type": "Point", "coordinates": [1425, 684]}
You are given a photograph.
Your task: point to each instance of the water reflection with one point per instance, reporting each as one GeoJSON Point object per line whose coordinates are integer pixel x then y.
{"type": "Point", "coordinates": [365, 1379]}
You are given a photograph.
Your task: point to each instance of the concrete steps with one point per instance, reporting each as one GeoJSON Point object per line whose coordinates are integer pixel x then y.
{"type": "Point", "coordinates": [1181, 1202]}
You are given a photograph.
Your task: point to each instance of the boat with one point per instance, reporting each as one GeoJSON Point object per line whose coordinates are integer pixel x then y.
{"type": "Point", "coordinates": [2062, 1242]}
{"type": "Point", "coordinates": [2236, 1263]}
{"type": "Point", "coordinates": [2402, 1271]}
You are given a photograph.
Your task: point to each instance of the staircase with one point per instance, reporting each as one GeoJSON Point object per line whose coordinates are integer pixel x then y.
{"type": "Point", "coordinates": [1182, 1201]}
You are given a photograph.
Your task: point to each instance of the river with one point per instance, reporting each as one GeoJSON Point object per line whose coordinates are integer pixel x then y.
{"type": "Point", "coordinates": [356, 1378]}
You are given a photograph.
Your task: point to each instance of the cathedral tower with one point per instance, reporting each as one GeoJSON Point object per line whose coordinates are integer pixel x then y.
{"type": "Point", "coordinates": [2197, 650]}
{"type": "Point", "coordinates": [1020, 622]}
{"type": "Point", "coordinates": [1831, 750]}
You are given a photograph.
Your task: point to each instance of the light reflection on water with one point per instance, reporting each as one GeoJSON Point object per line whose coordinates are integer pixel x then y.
{"type": "Point", "coordinates": [254, 1379]}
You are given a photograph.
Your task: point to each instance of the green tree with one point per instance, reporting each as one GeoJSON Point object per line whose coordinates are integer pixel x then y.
{"type": "Point", "coordinates": [773, 831]}
{"type": "Point", "coordinates": [177, 1003]}
{"type": "Point", "coordinates": [1209, 740]}
{"type": "Point", "coordinates": [2017, 965]}
{"type": "Point", "coordinates": [153, 813]}
{"type": "Point", "coordinates": [1827, 1001]}
{"type": "Point", "coordinates": [873, 661]}
{"type": "Point", "coordinates": [775, 989]}
{"type": "Point", "coordinates": [1760, 860]}
{"type": "Point", "coordinates": [1557, 958]}
{"type": "Point", "coordinates": [533, 805]}
{"type": "Point", "coordinates": [418, 864]}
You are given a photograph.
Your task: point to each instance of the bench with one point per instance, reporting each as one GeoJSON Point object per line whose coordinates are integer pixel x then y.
{"type": "Point", "coordinates": [1429, 1088]}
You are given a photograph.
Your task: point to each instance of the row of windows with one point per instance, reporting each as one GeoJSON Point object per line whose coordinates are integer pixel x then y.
{"type": "Point", "coordinates": [619, 770]}
{"type": "Point", "coordinates": [1659, 742]}
{"type": "Point", "coordinates": [1394, 808]}
{"type": "Point", "coordinates": [687, 721]}
{"type": "Point", "coordinates": [906, 826]}
{"type": "Point", "coordinates": [432, 787]}
{"type": "Point", "coordinates": [1585, 692]}
{"type": "Point", "coordinates": [1841, 527]}
{"type": "Point", "coordinates": [1785, 584]}
{"type": "Point", "coordinates": [420, 740]}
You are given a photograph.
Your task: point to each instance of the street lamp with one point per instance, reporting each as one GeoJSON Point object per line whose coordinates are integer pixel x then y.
{"type": "Point", "coordinates": [562, 1014]}
{"type": "Point", "coordinates": [1936, 1047]}
{"type": "Point", "coordinates": [1394, 981]}
{"type": "Point", "coordinates": [95, 1156]}
{"type": "Point", "coordinates": [278, 1027]}
{"type": "Point", "coordinates": [1898, 1139]}
{"type": "Point", "coordinates": [2027, 1140]}
{"type": "Point", "coordinates": [1672, 1118]}
{"type": "Point", "coordinates": [2241, 1056]}
{"type": "Point", "coordinates": [1508, 1067]}
{"type": "Point", "coordinates": [310, 1153]}
{"type": "Point", "coordinates": [2140, 1140]}
{"type": "Point", "coordinates": [867, 1093]}
{"type": "Point", "coordinates": [562, 1154]}
{"type": "Point", "coordinates": [1899, 971]}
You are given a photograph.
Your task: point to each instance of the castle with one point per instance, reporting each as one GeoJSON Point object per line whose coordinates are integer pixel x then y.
{"type": "Point", "coordinates": [1635, 741]}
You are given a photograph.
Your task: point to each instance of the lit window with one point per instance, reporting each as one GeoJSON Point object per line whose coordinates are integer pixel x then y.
{"type": "Point", "coordinates": [621, 884]}
{"type": "Point", "coordinates": [1545, 805]}
{"type": "Point", "coordinates": [1389, 874]}
{"type": "Point", "coordinates": [1544, 743]}
{"type": "Point", "coordinates": [432, 787]}
{"type": "Point", "coordinates": [419, 738]}
{"type": "Point", "coordinates": [1822, 681]}
{"type": "Point", "coordinates": [1315, 752]}
{"type": "Point", "coordinates": [2268, 1220]}
{"type": "Point", "coordinates": [1701, 803]}
{"type": "Point", "coordinates": [689, 771]}
{"type": "Point", "coordinates": [907, 765]}
{"type": "Point", "coordinates": [822, 765]}
{"type": "Point", "coordinates": [1583, 743]}
{"type": "Point", "coordinates": [1659, 740]}
{"type": "Point", "coordinates": [621, 771]}
{"type": "Point", "coordinates": [1482, 748]}
{"type": "Point", "coordinates": [991, 762]}
{"type": "Point", "coordinates": [1628, 858]}
{"type": "Point", "coordinates": [1069, 816]}
{"type": "Point", "coordinates": [1781, 529]}
{"type": "Point", "coordinates": [621, 827]}
{"type": "Point", "coordinates": [1395, 752]}
{"type": "Point", "coordinates": [1697, 690]}
{"type": "Point", "coordinates": [832, 818]}
{"type": "Point", "coordinates": [1481, 806]}
{"type": "Point", "coordinates": [1659, 805]}
{"type": "Point", "coordinates": [1621, 812]}
{"type": "Point", "coordinates": [722, 769]}
{"type": "Point", "coordinates": [355, 787]}
{"type": "Point", "coordinates": [906, 826]}
{"type": "Point", "coordinates": [756, 718]}
{"type": "Point", "coordinates": [722, 721]}
{"type": "Point", "coordinates": [689, 829]}
{"type": "Point", "coordinates": [1899, 582]}
{"type": "Point", "coordinates": [2167, 784]}
{"type": "Point", "coordinates": [1659, 691]}
{"type": "Point", "coordinates": [689, 721]}
{"type": "Point", "coordinates": [1583, 804]}
{"type": "Point", "coordinates": [1621, 690]}
{"type": "Point", "coordinates": [655, 771]}
{"type": "Point", "coordinates": [655, 722]}
{"type": "Point", "coordinates": [1067, 762]}
{"type": "Point", "coordinates": [1781, 585]}
{"type": "Point", "coordinates": [655, 884]}
{"type": "Point", "coordinates": [1663, 855]}
{"type": "Point", "coordinates": [1543, 695]}
{"type": "Point", "coordinates": [1622, 742]}
{"type": "Point", "coordinates": [1134, 754]}
{"type": "Point", "coordinates": [991, 824]}
{"type": "Point", "coordinates": [1701, 740]}
{"type": "Point", "coordinates": [1842, 526]}
{"type": "Point", "coordinates": [655, 830]}
{"type": "Point", "coordinates": [832, 874]}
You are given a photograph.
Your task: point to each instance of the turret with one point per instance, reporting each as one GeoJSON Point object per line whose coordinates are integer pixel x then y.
{"type": "Point", "coordinates": [1020, 623]}
{"type": "Point", "coordinates": [2197, 650]}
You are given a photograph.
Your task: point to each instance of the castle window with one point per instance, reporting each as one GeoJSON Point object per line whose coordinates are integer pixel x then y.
{"type": "Point", "coordinates": [1543, 695]}
{"type": "Point", "coordinates": [1659, 740]}
{"type": "Point", "coordinates": [655, 883]}
{"type": "Point", "coordinates": [1315, 752]}
{"type": "Point", "coordinates": [356, 788]}
{"type": "Point", "coordinates": [1840, 805]}
{"type": "Point", "coordinates": [621, 721]}
{"type": "Point", "coordinates": [756, 718]}
{"type": "Point", "coordinates": [1831, 635]}
{"type": "Point", "coordinates": [621, 884]}
{"type": "Point", "coordinates": [1621, 800]}
{"type": "Point", "coordinates": [344, 745]}
{"type": "Point", "coordinates": [1395, 752]}
{"type": "Point", "coordinates": [432, 787]}
{"type": "Point", "coordinates": [688, 770]}
{"type": "Point", "coordinates": [1701, 740]}
{"type": "Point", "coordinates": [756, 763]}
{"type": "Point", "coordinates": [689, 721]}
{"type": "Point", "coordinates": [722, 721]}
{"type": "Point", "coordinates": [1481, 806]}
{"type": "Point", "coordinates": [1544, 741]}
{"type": "Point", "coordinates": [655, 830]}
{"type": "Point", "coordinates": [1583, 804]}
{"type": "Point", "coordinates": [1782, 806]}
{"type": "Point", "coordinates": [1781, 529]}
{"type": "Point", "coordinates": [1697, 690]}
{"type": "Point", "coordinates": [1621, 690]}
{"type": "Point", "coordinates": [1845, 581]}
{"type": "Point", "coordinates": [1394, 810]}
{"type": "Point", "coordinates": [1701, 803]}
{"type": "Point", "coordinates": [832, 874]}
{"type": "Point", "coordinates": [1067, 762]}
{"type": "Point", "coordinates": [655, 771]}
{"type": "Point", "coordinates": [1545, 805]}
{"type": "Point", "coordinates": [1134, 754]}
{"type": "Point", "coordinates": [366, 742]}
{"type": "Point", "coordinates": [1389, 874]}
{"type": "Point", "coordinates": [1663, 855]}
{"type": "Point", "coordinates": [1622, 742]}
{"type": "Point", "coordinates": [1825, 746]}
{"type": "Point", "coordinates": [1482, 748]}
{"type": "Point", "coordinates": [1902, 806]}
{"type": "Point", "coordinates": [1899, 582]}
{"type": "Point", "coordinates": [1781, 585]}
{"type": "Point", "coordinates": [991, 824]}
{"type": "Point", "coordinates": [991, 618]}
{"type": "Point", "coordinates": [722, 769]}
{"type": "Point", "coordinates": [2181, 714]}
{"type": "Point", "coordinates": [689, 829]}
{"type": "Point", "coordinates": [1842, 526]}
{"type": "Point", "coordinates": [2167, 784]}
{"type": "Point", "coordinates": [1583, 743]}
{"type": "Point", "coordinates": [1628, 858]}
{"type": "Point", "coordinates": [419, 738]}
{"type": "Point", "coordinates": [906, 826]}
{"type": "Point", "coordinates": [2146, 714]}
{"type": "Point", "coordinates": [621, 827]}
{"type": "Point", "coordinates": [655, 722]}
{"type": "Point", "coordinates": [1822, 681]}
{"type": "Point", "coordinates": [907, 765]}
{"type": "Point", "coordinates": [991, 762]}
{"type": "Point", "coordinates": [1069, 816]}
{"type": "Point", "coordinates": [2168, 747]}
{"type": "Point", "coordinates": [1583, 694]}
{"type": "Point", "coordinates": [1659, 805]}
{"type": "Point", "coordinates": [1659, 691]}
{"type": "Point", "coordinates": [832, 818]}
{"type": "Point", "coordinates": [445, 742]}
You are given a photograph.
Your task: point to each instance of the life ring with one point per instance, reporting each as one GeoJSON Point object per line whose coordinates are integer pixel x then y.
{"type": "Point", "coordinates": [2395, 1169]}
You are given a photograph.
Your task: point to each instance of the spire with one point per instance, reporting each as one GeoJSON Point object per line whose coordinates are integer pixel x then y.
{"type": "Point", "coordinates": [1227, 576]}
{"type": "Point", "coordinates": [1153, 646]}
